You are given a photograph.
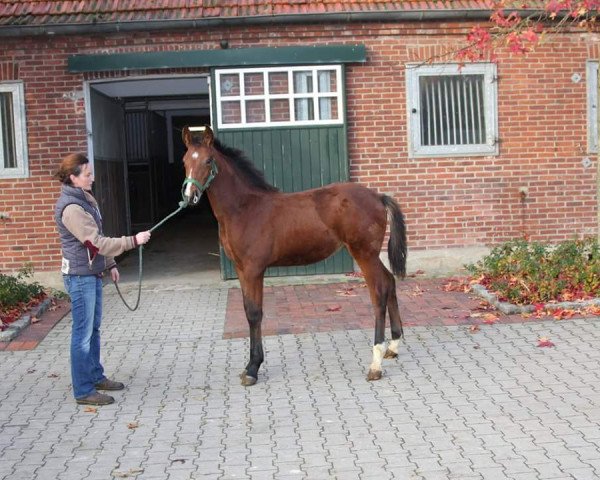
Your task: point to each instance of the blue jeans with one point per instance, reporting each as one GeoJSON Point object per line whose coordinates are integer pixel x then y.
{"type": "Point", "coordinates": [86, 308]}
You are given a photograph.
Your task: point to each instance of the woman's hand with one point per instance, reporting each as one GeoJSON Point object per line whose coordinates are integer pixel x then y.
{"type": "Point", "coordinates": [142, 237]}
{"type": "Point", "coordinates": [114, 274]}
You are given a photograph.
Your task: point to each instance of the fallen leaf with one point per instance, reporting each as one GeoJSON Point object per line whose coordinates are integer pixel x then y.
{"type": "Point", "coordinates": [90, 409]}
{"type": "Point", "coordinates": [355, 274]}
{"type": "Point", "coordinates": [333, 308]}
{"type": "Point", "coordinates": [456, 285]}
{"type": "Point", "coordinates": [539, 307]}
{"type": "Point", "coordinates": [129, 473]}
{"type": "Point", "coordinates": [53, 375]}
{"type": "Point", "coordinates": [178, 460]}
{"type": "Point", "coordinates": [562, 313]}
{"type": "Point", "coordinates": [490, 318]}
{"type": "Point", "coordinates": [415, 273]}
{"type": "Point", "coordinates": [346, 292]}
{"type": "Point", "coordinates": [593, 310]}
{"type": "Point", "coordinates": [544, 342]}
{"type": "Point", "coordinates": [132, 425]}
{"type": "Point", "coordinates": [34, 319]}
{"type": "Point", "coordinates": [417, 291]}
{"type": "Point", "coordinates": [474, 328]}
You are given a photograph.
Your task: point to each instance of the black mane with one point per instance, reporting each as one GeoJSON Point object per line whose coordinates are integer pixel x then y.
{"type": "Point", "coordinates": [245, 167]}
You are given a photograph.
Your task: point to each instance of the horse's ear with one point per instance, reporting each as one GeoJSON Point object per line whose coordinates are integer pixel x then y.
{"type": "Point", "coordinates": [208, 137]}
{"type": "Point", "coordinates": [186, 136]}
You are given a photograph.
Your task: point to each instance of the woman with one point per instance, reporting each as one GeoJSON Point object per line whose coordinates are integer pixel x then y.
{"type": "Point", "coordinates": [87, 254]}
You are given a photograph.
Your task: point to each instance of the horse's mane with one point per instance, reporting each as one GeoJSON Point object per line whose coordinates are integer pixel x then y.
{"type": "Point", "coordinates": [245, 167]}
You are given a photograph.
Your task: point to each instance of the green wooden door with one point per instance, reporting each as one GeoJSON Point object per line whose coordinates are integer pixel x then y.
{"type": "Point", "coordinates": [295, 159]}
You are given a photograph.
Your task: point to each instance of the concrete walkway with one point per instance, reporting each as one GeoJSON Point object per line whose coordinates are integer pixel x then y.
{"type": "Point", "coordinates": [458, 404]}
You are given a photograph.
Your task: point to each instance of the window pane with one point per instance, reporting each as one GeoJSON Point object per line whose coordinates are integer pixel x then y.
{"type": "Point", "coordinates": [7, 131]}
{"type": "Point", "coordinates": [304, 109]}
{"type": "Point", "coordinates": [278, 83]}
{"type": "Point", "coordinates": [303, 82]}
{"type": "Point", "coordinates": [255, 111]}
{"type": "Point", "coordinates": [280, 110]}
{"type": "Point", "coordinates": [283, 95]}
{"type": "Point", "coordinates": [254, 84]}
{"type": "Point", "coordinates": [327, 81]}
{"type": "Point", "coordinates": [328, 109]}
{"type": "Point", "coordinates": [231, 112]}
{"type": "Point", "coordinates": [230, 85]}
{"type": "Point", "coordinates": [452, 110]}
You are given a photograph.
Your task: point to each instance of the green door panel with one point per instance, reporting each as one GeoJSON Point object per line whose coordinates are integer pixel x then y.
{"type": "Point", "coordinates": [295, 159]}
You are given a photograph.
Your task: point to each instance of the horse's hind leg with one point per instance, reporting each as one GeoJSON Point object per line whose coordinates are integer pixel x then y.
{"type": "Point", "coordinates": [380, 290]}
{"type": "Point", "coordinates": [252, 291]}
{"type": "Point", "coordinates": [395, 320]}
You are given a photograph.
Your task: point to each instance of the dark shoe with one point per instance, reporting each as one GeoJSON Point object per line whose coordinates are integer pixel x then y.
{"type": "Point", "coordinates": [108, 384]}
{"type": "Point", "coordinates": [95, 399]}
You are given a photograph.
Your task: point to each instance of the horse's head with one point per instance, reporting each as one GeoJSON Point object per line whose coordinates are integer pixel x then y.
{"type": "Point", "coordinates": [200, 166]}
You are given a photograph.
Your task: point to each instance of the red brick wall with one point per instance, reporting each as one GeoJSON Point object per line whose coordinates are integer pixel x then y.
{"type": "Point", "coordinates": [448, 202]}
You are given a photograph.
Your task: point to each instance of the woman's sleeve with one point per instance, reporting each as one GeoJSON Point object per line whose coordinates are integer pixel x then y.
{"type": "Point", "coordinates": [84, 228]}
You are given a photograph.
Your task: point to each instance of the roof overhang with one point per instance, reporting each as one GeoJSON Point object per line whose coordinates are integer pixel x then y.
{"type": "Point", "coordinates": [314, 55]}
{"type": "Point", "coordinates": [65, 25]}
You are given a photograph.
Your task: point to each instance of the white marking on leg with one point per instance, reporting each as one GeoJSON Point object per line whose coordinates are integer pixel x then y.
{"type": "Point", "coordinates": [378, 351]}
{"type": "Point", "coordinates": [188, 188]}
{"type": "Point", "coordinates": [393, 345]}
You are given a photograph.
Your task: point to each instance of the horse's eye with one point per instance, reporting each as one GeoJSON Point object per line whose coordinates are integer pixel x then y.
{"type": "Point", "coordinates": [208, 161]}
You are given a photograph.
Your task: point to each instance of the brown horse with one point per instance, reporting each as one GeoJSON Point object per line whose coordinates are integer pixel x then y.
{"type": "Point", "coordinates": [261, 227]}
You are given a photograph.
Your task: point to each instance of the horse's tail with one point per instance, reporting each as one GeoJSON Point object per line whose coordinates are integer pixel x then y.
{"type": "Point", "coordinates": [397, 243]}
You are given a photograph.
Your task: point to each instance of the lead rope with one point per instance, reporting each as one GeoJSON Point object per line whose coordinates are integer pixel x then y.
{"type": "Point", "coordinates": [182, 204]}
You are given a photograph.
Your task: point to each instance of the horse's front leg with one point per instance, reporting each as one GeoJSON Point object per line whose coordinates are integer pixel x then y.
{"type": "Point", "coordinates": [252, 291]}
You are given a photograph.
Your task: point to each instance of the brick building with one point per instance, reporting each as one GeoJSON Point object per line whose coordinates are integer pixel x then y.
{"type": "Point", "coordinates": [475, 155]}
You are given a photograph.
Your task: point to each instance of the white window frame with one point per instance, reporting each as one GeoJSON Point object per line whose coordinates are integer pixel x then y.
{"type": "Point", "coordinates": [592, 105]}
{"type": "Point", "coordinates": [18, 101]}
{"type": "Point", "coordinates": [266, 97]}
{"type": "Point", "coordinates": [490, 102]}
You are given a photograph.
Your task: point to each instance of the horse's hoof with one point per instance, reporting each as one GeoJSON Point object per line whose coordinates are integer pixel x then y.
{"type": "Point", "coordinates": [374, 375]}
{"type": "Point", "coordinates": [247, 380]}
{"type": "Point", "coordinates": [390, 354]}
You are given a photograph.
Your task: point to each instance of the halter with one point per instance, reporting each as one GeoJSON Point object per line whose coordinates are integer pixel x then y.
{"type": "Point", "coordinates": [202, 188]}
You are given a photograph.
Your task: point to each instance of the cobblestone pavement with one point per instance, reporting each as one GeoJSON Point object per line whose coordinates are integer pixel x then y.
{"type": "Point", "coordinates": [455, 404]}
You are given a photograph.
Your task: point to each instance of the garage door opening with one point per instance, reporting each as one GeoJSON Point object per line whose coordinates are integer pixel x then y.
{"type": "Point", "coordinates": [136, 148]}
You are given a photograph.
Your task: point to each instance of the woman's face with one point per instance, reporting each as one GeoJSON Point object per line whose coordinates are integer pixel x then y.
{"type": "Point", "coordinates": [85, 179]}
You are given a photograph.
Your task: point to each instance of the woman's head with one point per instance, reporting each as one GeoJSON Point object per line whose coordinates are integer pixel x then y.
{"type": "Point", "coordinates": [75, 170]}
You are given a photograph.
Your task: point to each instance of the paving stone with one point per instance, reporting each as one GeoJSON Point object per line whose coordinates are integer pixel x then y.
{"type": "Point", "coordinates": [442, 410]}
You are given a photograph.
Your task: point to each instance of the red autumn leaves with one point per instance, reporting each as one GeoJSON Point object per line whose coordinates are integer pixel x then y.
{"type": "Point", "coordinates": [10, 314]}
{"type": "Point", "coordinates": [514, 27]}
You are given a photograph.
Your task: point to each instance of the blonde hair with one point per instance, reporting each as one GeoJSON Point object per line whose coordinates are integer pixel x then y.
{"type": "Point", "coordinates": [70, 165]}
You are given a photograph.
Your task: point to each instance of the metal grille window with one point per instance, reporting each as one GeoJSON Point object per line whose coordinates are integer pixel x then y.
{"type": "Point", "coordinates": [452, 110]}
{"type": "Point", "coordinates": [279, 96]}
{"type": "Point", "coordinates": [13, 152]}
{"type": "Point", "coordinates": [592, 105]}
